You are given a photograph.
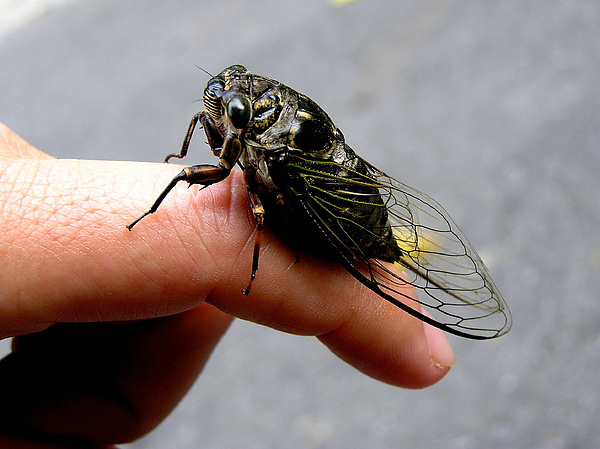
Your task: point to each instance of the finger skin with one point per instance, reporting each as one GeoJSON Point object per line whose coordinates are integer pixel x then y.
{"type": "Point", "coordinates": [105, 382]}
{"type": "Point", "coordinates": [68, 258]}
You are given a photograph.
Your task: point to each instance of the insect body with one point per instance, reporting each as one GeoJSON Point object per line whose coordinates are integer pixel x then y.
{"type": "Point", "coordinates": [308, 183]}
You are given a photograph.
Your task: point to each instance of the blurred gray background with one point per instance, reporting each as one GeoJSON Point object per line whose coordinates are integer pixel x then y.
{"type": "Point", "coordinates": [491, 107]}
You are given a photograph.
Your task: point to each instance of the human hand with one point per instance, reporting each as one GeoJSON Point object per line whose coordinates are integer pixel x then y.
{"type": "Point", "coordinates": [98, 311]}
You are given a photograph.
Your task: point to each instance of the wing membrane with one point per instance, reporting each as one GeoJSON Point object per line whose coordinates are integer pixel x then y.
{"type": "Point", "coordinates": [454, 285]}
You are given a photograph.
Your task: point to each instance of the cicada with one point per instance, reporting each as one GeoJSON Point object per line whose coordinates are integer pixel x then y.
{"type": "Point", "coordinates": [306, 182]}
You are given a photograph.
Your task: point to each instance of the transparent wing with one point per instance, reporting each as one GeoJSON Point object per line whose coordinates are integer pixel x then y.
{"type": "Point", "coordinates": [441, 263]}
{"type": "Point", "coordinates": [454, 285]}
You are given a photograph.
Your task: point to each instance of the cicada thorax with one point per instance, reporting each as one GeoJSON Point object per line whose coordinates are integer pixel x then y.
{"type": "Point", "coordinates": [296, 157]}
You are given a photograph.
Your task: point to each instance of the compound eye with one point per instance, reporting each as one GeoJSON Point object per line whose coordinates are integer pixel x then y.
{"type": "Point", "coordinates": [239, 111]}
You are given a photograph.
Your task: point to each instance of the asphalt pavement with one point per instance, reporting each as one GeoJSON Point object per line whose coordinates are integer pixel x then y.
{"type": "Point", "coordinates": [492, 108]}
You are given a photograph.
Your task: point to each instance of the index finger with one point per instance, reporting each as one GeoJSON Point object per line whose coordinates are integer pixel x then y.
{"type": "Point", "coordinates": [68, 257]}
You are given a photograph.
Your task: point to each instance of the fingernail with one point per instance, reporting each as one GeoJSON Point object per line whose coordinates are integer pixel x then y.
{"type": "Point", "coordinates": [440, 350]}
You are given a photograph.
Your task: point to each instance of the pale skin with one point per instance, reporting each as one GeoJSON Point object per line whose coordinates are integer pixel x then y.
{"type": "Point", "coordinates": [99, 311]}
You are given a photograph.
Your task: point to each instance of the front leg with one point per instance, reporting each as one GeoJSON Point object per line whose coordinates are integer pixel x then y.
{"type": "Point", "coordinates": [213, 133]}
{"type": "Point", "coordinates": [204, 175]}
{"type": "Point", "coordinates": [188, 137]}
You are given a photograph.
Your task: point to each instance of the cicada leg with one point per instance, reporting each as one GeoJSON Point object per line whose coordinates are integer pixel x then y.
{"type": "Point", "coordinates": [196, 174]}
{"type": "Point", "coordinates": [213, 136]}
{"type": "Point", "coordinates": [203, 175]}
{"type": "Point", "coordinates": [186, 141]}
{"type": "Point", "coordinates": [259, 214]}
